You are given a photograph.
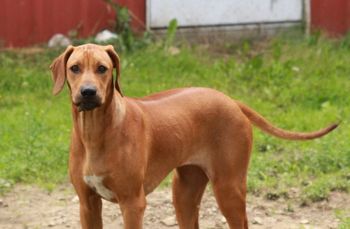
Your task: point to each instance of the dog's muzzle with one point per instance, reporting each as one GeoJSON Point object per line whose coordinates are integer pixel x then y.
{"type": "Point", "coordinates": [88, 98]}
{"type": "Point", "coordinates": [87, 105]}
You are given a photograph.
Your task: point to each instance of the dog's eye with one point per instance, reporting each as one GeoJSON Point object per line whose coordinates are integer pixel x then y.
{"type": "Point", "coordinates": [101, 69]}
{"type": "Point", "coordinates": [75, 69]}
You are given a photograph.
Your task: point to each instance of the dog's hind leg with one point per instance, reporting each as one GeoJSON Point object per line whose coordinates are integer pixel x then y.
{"type": "Point", "coordinates": [189, 183]}
{"type": "Point", "coordinates": [231, 200]}
{"type": "Point", "coordinates": [230, 176]}
{"type": "Point", "coordinates": [230, 160]}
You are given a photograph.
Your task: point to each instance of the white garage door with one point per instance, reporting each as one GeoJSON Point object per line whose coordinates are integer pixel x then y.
{"type": "Point", "coordinates": [221, 12]}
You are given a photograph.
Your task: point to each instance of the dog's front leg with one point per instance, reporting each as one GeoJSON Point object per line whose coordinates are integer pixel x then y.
{"type": "Point", "coordinates": [133, 208]}
{"type": "Point", "coordinates": [89, 202]}
{"type": "Point", "coordinates": [90, 210]}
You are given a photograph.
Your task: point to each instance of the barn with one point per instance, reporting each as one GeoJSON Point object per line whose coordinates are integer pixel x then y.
{"type": "Point", "coordinates": [27, 22]}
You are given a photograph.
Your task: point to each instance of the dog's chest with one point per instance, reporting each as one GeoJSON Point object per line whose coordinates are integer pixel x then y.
{"type": "Point", "coordinates": [96, 183]}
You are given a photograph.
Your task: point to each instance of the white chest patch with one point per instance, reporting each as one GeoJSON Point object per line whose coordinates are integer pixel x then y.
{"type": "Point", "coordinates": [95, 182]}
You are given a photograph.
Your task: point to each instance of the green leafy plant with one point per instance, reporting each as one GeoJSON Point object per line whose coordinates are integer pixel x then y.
{"type": "Point", "coordinates": [171, 32]}
{"type": "Point", "coordinates": [127, 40]}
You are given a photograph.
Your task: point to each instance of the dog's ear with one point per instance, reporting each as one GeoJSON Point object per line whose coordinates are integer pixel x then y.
{"type": "Point", "coordinates": [116, 64]}
{"type": "Point", "coordinates": [58, 70]}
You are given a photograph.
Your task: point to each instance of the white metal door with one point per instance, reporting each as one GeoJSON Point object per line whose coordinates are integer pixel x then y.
{"type": "Point", "coordinates": [222, 12]}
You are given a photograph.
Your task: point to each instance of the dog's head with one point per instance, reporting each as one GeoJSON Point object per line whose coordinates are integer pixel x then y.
{"type": "Point", "coordinates": [88, 70]}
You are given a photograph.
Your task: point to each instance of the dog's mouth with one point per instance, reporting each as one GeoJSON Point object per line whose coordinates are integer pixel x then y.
{"type": "Point", "coordinates": [87, 104]}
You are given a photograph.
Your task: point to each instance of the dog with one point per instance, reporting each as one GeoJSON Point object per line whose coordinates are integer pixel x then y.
{"type": "Point", "coordinates": [122, 148]}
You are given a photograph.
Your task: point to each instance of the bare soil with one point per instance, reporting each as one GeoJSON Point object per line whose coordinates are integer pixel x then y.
{"type": "Point", "coordinates": [32, 207]}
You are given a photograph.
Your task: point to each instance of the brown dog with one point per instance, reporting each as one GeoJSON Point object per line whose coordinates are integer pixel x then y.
{"type": "Point", "coordinates": [122, 148]}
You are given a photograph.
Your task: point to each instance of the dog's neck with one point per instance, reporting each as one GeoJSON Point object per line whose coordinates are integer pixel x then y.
{"type": "Point", "coordinates": [93, 125]}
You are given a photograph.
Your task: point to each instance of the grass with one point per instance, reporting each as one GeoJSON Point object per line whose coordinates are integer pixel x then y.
{"type": "Point", "coordinates": [298, 83]}
{"type": "Point", "coordinates": [344, 218]}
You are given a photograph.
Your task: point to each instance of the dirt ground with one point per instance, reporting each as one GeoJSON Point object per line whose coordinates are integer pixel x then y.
{"type": "Point", "coordinates": [31, 207]}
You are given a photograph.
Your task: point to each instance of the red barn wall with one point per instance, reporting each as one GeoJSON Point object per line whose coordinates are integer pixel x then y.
{"type": "Point", "coordinates": [332, 16]}
{"type": "Point", "coordinates": [27, 22]}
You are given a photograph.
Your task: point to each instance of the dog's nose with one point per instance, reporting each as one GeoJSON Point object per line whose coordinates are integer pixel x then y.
{"type": "Point", "coordinates": [88, 91]}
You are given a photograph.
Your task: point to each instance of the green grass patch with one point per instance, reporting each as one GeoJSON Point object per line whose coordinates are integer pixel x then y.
{"type": "Point", "coordinates": [299, 84]}
{"type": "Point", "coordinates": [344, 218]}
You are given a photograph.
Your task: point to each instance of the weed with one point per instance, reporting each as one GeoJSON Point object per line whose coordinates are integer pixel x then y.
{"type": "Point", "coordinates": [170, 35]}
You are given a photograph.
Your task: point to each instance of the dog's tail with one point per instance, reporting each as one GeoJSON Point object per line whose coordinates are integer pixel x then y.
{"type": "Point", "coordinates": [269, 128]}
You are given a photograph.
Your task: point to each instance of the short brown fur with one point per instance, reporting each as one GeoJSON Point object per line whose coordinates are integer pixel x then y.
{"type": "Point", "coordinates": [134, 143]}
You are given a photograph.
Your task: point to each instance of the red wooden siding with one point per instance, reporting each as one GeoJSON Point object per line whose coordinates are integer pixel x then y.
{"type": "Point", "coordinates": [138, 9]}
{"type": "Point", "coordinates": [26, 22]}
{"type": "Point", "coordinates": [332, 16]}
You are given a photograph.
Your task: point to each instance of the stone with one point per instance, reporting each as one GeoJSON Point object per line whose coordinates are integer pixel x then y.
{"type": "Point", "coordinates": [75, 199]}
{"type": "Point", "coordinates": [59, 40]}
{"type": "Point", "coordinates": [3, 204]}
{"type": "Point", "coordinates": [169, 221]}
{"type": "Point", "coordinates": [173, 51]}
{"type": "Point", "coordinates": [105, 36]}
{"type": "Point", "coordinates": [257, 220]}
{"type": "Point", "coordinates": [304, 221]}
